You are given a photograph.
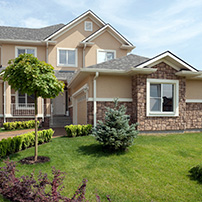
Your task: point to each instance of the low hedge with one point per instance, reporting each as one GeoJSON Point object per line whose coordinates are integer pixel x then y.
{"type": "Point", "coordinates": [78, 130]}
{"type": "Point", "coordinates": [20, 142]}
{"type": "Point", "coordinates": [20, 125]}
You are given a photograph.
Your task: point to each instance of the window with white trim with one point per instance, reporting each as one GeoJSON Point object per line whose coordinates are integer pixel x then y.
{"type": "Point", "coordinates": [105, 55]}
{"type": "Point", "coordinates": [28, 50]}
{"type": "Point", "coordinates": [23, 100]}
{"type": "Point", "coordinates": [88, 26]}
{"type": "Point", "coordinates": [67, 57]}
{"type": "Point", "coordinates": [162, 97]}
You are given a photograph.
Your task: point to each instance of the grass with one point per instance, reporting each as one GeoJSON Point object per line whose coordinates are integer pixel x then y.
{"type": "Point", "coordinates": [154, 169]}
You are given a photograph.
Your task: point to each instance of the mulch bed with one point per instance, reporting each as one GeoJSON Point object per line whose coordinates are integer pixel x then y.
{"type": "Point", "coordinates": [30, 160]}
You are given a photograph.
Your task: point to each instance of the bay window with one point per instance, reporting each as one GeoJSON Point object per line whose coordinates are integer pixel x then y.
{"type": "Point", "coordinates": [162, 97]}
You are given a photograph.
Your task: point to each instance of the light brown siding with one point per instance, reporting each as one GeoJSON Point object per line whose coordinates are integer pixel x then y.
{"type": "Point", "coordinates": [82, 110]}
{"type": "Point", "coordinates": [104, 41]}
{"type": "Point", "coordinates": [193, 89]}
{"type": "Point", "coordinates": [114, 87]}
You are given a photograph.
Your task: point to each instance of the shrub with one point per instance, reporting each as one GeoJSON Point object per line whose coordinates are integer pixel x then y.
{"type": "Point", "coordinates": [19, 125]}
{"type": "Point", "coordinates": [17, 143]}
{"type": "Point", "coordinates": [196, 173]}
{"type": "Point", "coordinates": [78, 130]}
{"type": "Point", "coordinates": [31, 188]}
{"type": "Point", "coordinates": [115, 133]}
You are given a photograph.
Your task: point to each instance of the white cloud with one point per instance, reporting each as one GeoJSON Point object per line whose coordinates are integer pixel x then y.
{"type": "Point", "coordinates": [34, 23]}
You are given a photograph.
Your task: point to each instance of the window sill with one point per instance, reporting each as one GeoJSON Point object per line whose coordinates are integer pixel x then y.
{"type": "Point", "coordinates": [162, 114]}
{"type": "Point", "coordinates": [59, 65]}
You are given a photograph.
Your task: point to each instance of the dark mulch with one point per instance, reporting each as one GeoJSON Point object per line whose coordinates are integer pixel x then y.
{"type": "Point", "coordinates": [30, 160]}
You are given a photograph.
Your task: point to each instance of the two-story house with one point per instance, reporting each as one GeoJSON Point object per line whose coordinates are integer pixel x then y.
{"type": "Point", "coordinates": [85, 41]}
{"type": "Point", "coordinates": [162, 93]}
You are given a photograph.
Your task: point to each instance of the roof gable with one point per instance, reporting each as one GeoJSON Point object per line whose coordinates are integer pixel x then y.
{"type": "Point", "coordinates": [168, 58]}
{"type": "Point", "coordinates": [112, 31]}
{"type": "Point", "coordinates": [79, 19]}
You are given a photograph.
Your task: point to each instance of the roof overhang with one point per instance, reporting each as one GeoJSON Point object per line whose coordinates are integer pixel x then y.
{"type": "Point", "coordinates": [76, 21]}
{"type": "Point", "coordinates": [190, 75]}
{"type": "Point", "coordinates": [170, 59]}
{"type": "Point", "coordinates": [83, 73]}
{"type": "Point", "coordinates": [27, 42]}
{"type": "Point", "coordinates": [125, 43]}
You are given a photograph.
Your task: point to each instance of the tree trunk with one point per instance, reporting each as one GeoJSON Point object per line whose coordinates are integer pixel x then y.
{"type": "Point", "coordinates": [36, 127]}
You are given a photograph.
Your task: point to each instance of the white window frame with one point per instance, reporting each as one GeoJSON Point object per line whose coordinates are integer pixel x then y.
{"type": "Point", "coordinates": [18, 104]}
{"type": "Point", "coordinates": [106, 50]}
{"type": "Point", "coordinates": [175, 98]}
{"type": "Point", "coordinates": [85, 26]}
{"type": "Point", "coordinates": [67, 65]}
{"type": "Point", "coordinates": [25, 47]}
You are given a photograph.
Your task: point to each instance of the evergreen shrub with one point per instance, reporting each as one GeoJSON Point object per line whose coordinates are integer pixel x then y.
{"type": "Point", "coordinates": [19, 125]}
{"type": "Point", "coordinates": [78, 130]}
{"type": "Point", "coordinates": [11, 145]}
{"type": "Point", "coordinates": [115, 133]}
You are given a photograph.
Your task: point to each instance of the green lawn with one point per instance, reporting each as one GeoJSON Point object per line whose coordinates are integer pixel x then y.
{"type": "Point", "coordinates": [154, 169]}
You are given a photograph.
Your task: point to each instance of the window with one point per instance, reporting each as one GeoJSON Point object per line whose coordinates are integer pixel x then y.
{"type": "Point", "coordinates": [162, 97]}
{"type": "Point", "coordinates": [21, 50]}
{"type": "Point", "coordinates": [88, 26]}
{"type": "Point", "coordinates": [67, 57]}
{"type": "Point", "coordinates": [24, 101]}
{"type": "Point", "coordinates": [105, 55]}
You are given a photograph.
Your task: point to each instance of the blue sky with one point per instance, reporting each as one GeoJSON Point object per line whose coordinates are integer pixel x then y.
{"type": "Point", "coordinates": [152, 26]}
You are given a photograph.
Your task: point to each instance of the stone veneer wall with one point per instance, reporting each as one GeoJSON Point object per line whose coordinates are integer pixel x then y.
{"type": "Point", "coordinates": [101, 110]}
{"type": "Point", "coordinates": [164, 71]}
{"type": "Point", "coordinates": [194, 115]}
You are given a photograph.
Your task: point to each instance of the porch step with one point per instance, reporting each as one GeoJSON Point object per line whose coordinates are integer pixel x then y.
{"type": "Point", "coordinates": [60, 121]}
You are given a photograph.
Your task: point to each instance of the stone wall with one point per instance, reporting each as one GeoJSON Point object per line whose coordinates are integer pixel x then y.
{"type": "Point", "coordinates": [194, 115]}
{"type": "Point", "coordinates": [146, 123]}
{"type": "Point", "coordinates": [101, 109]}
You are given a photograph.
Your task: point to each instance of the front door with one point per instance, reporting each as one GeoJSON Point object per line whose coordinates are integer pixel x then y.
{"type": "Point", "coordinates": [59, 104]}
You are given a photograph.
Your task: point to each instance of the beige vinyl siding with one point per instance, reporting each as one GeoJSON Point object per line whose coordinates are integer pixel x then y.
{"type": "Point", "coordinates": [193, 89]}
{"type": "Point", "coordinates": [114, 87]}
{"type": "Point", "coordinates": [81, 109]}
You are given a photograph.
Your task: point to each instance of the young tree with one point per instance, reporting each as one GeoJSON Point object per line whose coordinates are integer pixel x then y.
{"type": "Point", "coordinates": [29, 75]}
{"type": "Point", "coordinates": [115, 133]}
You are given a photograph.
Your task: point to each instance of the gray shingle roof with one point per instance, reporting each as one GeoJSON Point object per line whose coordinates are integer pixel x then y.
{"type": "Point", "coordinates": [20, 33]}
{"type": "Point", "coordinates": [123, 63]}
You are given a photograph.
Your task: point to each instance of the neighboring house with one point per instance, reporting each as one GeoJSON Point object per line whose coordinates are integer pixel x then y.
{"type": "Point", "coordinates": [85, 41]}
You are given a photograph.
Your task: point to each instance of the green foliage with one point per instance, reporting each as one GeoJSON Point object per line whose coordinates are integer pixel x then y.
{"type": "Point", "coordinates": [196, 173]}
{"type": "Point", "coordinates": [19, 125]}
{"type": "Point", "coordinates": [78, 130]}
{"type": "Point", "coordinates": [115, 133]}
{"type": "Point", "coordinates": [30, 75]}
{"type": "Point", "coordinates": [17, 143]}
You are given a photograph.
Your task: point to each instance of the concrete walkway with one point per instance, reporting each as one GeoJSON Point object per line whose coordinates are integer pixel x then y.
{"type": "Point", "coordinates": [59, 132]}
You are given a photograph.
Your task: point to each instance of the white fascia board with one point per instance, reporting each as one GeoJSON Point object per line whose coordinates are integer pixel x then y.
{"type": "Point", "coordinates": [142, 71]}
{"type": "Point", "coordinates": [188, 74]}
{"type": "Point", "coordinates": [27, 41]}
{"type": "Point", "coordinates": [193, 101]}
{"type": "Point", "coordinates": [98, 32]}
{"type": "Point", "coordinates": [155, 59]}
{"type": "Point", "coordinates": [73, 22]}
{"type": "Point", "coordinates": [110, 99]}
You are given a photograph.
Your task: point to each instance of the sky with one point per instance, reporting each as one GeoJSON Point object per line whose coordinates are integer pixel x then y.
{"type": "Point", "coordinates": [153, 26]}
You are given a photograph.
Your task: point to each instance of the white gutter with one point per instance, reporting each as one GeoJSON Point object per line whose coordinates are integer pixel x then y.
{"type": "Point", "coordinates": [26, 41]}
{"type": "Point", "coordinates": [94, 100]}
{"type": "Point", "coordinates": [4, 102]}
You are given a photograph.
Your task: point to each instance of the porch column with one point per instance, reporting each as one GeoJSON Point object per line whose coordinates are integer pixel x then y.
{"type": "Point", "coordinates": [7, 99]}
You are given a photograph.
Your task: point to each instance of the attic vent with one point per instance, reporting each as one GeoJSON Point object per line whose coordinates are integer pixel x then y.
{"type": "Point", "coordinates": [88, 26]}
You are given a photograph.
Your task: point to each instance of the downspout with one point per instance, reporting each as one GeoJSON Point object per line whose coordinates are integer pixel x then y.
{"type": "Point", "coordinates": [94, 100]}
{"type": "Point", "coordinates": [42, 98]}
{"type": "Point", "coordinates": [4, 102]}
{"type": "Point", "coordinates": [84, 47]}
